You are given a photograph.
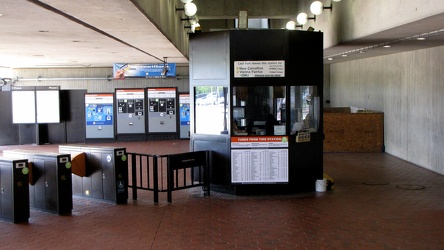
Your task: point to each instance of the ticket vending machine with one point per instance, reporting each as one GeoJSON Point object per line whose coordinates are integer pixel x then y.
{"type": "Point", "coordinates": [130, 113]}
{"type": "Point", "coordinates": [99, 115]}
{"type": "Point", "coordinates": [184, 114]}
{"type": "Point", "coordinates": [14, 190]}
{"type": "Point", "coordinates": [51, 182]}
{"type": "Point", "coordinates": [162, 117]}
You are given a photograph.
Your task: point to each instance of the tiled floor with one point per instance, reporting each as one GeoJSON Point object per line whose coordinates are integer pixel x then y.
{"type": "Point", "coordinates": [379, 202]}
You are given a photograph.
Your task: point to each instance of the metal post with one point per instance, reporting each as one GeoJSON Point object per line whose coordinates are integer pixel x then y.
{"type": "Point", "coordinates": [134, 175]}
{"type": "Point", "coordinates": [155, 179]}
{"type": "Point", "coordinates": [169, 181]}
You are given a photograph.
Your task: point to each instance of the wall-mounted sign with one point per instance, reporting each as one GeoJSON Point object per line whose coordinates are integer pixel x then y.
{"type": "Point", "coordinates": [259, 141]}
{"type": "Point", "coordinates": [23, 104]}
{"type": "Point", "coordinates": [48, 107]}
{"type": "Point", "coordinates": [31, 104]}
{"type": "Point", "coordinates": [255, 166]}
{"type": "Point", "coordinates": [252, 69]}
{"type": "Point", "coordinates": [259, 159]}
{"type": "Point", "coordinates": [159, 70]}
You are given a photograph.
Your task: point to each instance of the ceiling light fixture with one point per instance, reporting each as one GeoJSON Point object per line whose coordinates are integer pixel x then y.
{"type": "Point", "coordinates": [303, 18]}
{"type": "Point", "coordinates": [291, 25]}
{"type": "Point", "coordinates": [189, 8]}
{"type": "Point", "coordinates": [317, 7]}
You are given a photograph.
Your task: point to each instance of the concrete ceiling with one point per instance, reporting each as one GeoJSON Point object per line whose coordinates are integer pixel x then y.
{"type": "Point", "coordinates": [87, 33]}
{"type": "Point", "coordinates": [421, 34]}
{"type": "Point", "coordinates": [98, 33]}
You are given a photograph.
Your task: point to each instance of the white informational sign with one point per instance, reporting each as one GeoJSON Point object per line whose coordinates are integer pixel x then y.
{"type": "Point", "coordinates": [256, 166]}
{"type": "Point", "coordinates": [252, 69]}
{"type": "Point", "coordinates": [23, 106]}
{"type": "Point", "coordinates": [48, 108]}
{"type": "Point", "coordinates": [259, 159]}
{"type": "Point", "coordinates": [29, 103]}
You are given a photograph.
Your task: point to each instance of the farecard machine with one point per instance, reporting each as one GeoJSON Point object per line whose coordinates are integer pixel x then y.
{"type": "Point", "coordinates": [130, 113]}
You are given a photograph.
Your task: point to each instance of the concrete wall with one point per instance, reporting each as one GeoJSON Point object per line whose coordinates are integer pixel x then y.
{"type": "Point", "coordinates": [408, 87]}
{"type": "Point", "coordinates": [353, 19]}
{"type": "Point", "coordinates": [163, 14]}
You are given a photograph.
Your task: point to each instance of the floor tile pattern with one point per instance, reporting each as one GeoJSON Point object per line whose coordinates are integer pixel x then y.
{"type": "Point", "coordinates": [378, 202]}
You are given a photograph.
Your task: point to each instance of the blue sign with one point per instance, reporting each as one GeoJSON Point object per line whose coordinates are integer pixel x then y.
{"type": "Point", "coordinates": [159, 70]}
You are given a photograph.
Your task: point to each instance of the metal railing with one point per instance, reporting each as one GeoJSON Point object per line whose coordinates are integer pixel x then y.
{"type": "Point", "coordinates": [167, 173]}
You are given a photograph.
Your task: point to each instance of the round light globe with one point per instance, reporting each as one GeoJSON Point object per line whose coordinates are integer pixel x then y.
{"type": "Point", "coordinates": [291, 25]}
{"type": "Point", "coordinates": [302, 18]}
{"type": "Point", "coordinates": [316, 7]}
{"type": "Point", "coordinates": [190, 9]}
{"type": "Point", "coordinates": [189, 1]}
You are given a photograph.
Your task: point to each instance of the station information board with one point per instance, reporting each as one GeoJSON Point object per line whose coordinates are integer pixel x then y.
{"type": "Point", "coordinates": [259, 159]}
{"type": "Point", "coordinates": [39, 104]}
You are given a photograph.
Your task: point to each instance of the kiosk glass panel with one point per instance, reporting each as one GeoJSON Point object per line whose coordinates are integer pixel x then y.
{"type": "Point", "coordinates": [259, 110]}
{"type": "Point", "coordinates": [211, 109]}
{"type": "Point", "coordinates": [304, 108]}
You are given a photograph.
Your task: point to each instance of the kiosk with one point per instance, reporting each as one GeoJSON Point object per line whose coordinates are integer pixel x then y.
{"type": "Point", "coordinates": [256, 105]}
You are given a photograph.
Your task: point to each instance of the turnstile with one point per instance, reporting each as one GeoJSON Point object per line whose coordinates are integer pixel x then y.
{"type": "Point", "coordinates": [51, 183]}
{"type": "Point", "coordinates": [14, 190]}
{"type": "Point", "coordinates": [106, 172]}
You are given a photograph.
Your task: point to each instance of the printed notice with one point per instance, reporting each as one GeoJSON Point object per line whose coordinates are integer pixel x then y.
{"type": "Point", "coordinates": [252, 69]}
{"type": "Point", "coordinates": [255, 166]}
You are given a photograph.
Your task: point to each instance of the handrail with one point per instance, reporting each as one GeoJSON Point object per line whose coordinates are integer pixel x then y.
{"type": "Point", "coordinates": [148, 170]}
